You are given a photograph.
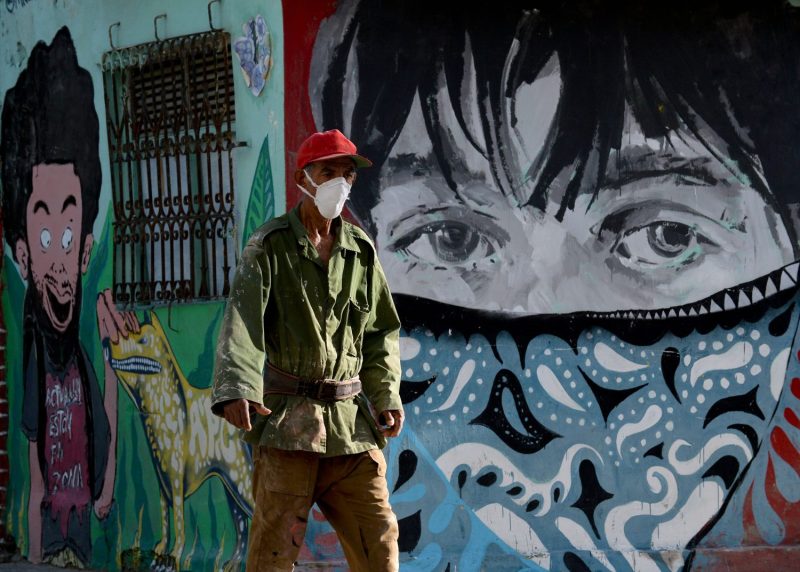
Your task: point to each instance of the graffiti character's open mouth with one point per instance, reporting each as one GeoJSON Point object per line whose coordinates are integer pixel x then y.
{"type": "Point", "coordinates": [140, 365]}
{"type": "Point", "coordinates": [60, 312]}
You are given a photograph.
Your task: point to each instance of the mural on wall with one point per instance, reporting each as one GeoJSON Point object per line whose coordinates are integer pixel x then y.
{"type": "Point", "coordinates": [586, 213]}
{"type": "Point", "coordinates": [51, 180]}
{"type": "Point", "coordinates": [82, 497]}
{"type": "Point", "coordinates": [188, 444]}
{"type": "Point", "coordinates": [254, 50]}
{"type": "Point", "coordinates": [155, 502]}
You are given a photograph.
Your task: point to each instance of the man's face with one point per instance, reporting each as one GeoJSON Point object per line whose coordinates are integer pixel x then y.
{"type": "Point", "coordinates": [323, 171]}
{"type": "Point", "coordinates": [51, 260]}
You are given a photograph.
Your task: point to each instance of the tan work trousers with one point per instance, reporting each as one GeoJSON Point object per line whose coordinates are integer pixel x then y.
{"type": "Point", "coordinates": [351, 492]}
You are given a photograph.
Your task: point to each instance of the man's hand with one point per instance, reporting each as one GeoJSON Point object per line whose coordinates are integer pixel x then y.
{"type": "Point", "coordinates": [391, 422]}
{"type": "Point", "coordinates": [237, 412]}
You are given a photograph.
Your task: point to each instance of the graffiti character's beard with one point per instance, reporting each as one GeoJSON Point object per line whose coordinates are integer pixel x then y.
{"type": "Point", "coordinates": [61, 347]}
{"type": "Point", "coordinates": [567, 435]}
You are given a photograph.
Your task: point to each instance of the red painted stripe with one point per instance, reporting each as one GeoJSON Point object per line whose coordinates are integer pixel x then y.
{"type": "Point", "coordinates": [796, 387]}
{"type": "Point", "coordinates": [791, 417]}
{"type": "Point", "coordinates": [784, 447]}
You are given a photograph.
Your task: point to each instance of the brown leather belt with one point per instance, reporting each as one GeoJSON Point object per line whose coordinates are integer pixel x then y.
{"type": "Point", "coordinates": [278, 381]}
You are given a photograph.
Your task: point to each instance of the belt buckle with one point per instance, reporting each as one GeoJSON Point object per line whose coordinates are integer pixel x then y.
{"type": "Point", "coordinates": [327, 391]}
{"type": "Point", "coordinates": [305, 387]}
{"type": "Point", "coordinates": [312, 388]}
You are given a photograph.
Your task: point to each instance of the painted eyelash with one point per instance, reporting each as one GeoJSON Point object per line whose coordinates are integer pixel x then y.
{"type": "Point", "coordinates": [407, 239]}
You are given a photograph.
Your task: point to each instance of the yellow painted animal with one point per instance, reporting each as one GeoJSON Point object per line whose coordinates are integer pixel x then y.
{"type": "Point", "coordinates": [187, 442]}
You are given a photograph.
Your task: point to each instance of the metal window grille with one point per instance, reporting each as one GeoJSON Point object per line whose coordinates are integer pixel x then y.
{"type": "Point", "coordinates": [170, 117]}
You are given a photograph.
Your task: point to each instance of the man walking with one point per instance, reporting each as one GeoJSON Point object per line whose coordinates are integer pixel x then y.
{"type": "Point", "coordinates": [309, 342]}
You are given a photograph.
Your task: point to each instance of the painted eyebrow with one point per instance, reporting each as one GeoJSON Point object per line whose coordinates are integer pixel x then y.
{"type": "Point", "coordinates": [40, 205]}
{"type": "Point", "coordinates": [652, 166]}
{"type": "Point", "coordinates": [69, 201]}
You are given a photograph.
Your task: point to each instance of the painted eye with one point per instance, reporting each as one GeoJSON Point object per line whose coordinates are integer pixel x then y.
{"type": "Point", "coordinates": [66, 239]}
{"type": "Point", "coordinates": [448, 241]}
{"type": "Point", "coordinates": [661, 243]}
{"type": "Point", "coordinates": [45, 238]}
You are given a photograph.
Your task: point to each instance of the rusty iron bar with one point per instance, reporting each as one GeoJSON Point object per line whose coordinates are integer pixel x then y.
{"type": "Point", "coordinates": [170, 120]}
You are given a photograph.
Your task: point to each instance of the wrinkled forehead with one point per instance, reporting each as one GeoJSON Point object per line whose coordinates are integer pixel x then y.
{"type": "Point", "coordinates": [336, 164]}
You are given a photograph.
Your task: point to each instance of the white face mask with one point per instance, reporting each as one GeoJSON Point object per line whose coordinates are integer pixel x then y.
{"type": "Point", "coordinates": [331, 195]}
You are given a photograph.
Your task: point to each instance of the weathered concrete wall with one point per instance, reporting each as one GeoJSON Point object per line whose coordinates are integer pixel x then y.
{"type": "Point", "coordinates": [587, 215]}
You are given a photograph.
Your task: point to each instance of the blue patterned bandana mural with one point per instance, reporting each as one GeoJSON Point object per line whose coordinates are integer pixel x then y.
{"type": "Point", "coordinates": [569, 435]}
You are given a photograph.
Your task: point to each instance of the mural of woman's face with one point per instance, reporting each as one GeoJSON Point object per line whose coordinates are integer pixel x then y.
{"type": "Point", "coordinates": [594, 271]}
{"type": "Point", "coordinates": [51, 259]}
{"type": "Point", "coordinates": [675, 222]}
{"type": "Point", "coordinates": [601, 437]}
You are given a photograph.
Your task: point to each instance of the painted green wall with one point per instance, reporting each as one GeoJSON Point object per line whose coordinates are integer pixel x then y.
{"type": "Point", "coordinates": [135, 521]}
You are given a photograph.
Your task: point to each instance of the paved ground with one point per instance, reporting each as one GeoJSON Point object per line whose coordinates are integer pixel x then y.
{"type": "Point", "coordinates": [11, 562]}
{"type": "Point", "coordinates": [25, 566]}
{"type": "Point", "coordinates": [16, 564]}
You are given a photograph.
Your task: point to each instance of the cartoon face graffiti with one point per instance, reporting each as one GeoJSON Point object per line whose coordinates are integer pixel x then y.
{"type": "Point", "coordinates": [592, 243]}
{"type": "Point", "coordinates": [51, 178]}
{"type": "Point", "coordinates": [52, 256]}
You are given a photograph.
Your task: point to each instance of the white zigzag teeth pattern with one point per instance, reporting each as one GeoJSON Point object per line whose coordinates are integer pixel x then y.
{"type": "Point", "coordinates": [746, 295]}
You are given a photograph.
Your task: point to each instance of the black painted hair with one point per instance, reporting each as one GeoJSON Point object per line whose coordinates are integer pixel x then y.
{"type": "Point", "coordinates": [49, 117]}
{"type": "Point", "coordinates": [724, 67]}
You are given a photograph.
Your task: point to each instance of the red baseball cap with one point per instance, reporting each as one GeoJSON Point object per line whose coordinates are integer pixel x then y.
{"type": "Point", "coordinates": [329, 145]}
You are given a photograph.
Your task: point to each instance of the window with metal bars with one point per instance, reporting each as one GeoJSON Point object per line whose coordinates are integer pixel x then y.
{"type": "Point", "coordinates": [171, 131]}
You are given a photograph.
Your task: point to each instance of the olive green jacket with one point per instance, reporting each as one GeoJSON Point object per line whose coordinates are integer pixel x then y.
{"type": "Point", "coordinates": [314, 323]}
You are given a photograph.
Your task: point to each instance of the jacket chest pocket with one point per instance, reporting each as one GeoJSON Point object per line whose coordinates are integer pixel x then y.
{"type": "Point", "coordinates": [356, 316]}
{"type": "Point", "coordinates": [356, 311]}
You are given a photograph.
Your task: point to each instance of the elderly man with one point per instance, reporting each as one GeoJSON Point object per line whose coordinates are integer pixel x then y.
{"type": "Point", "coordinates": [310, 296]}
